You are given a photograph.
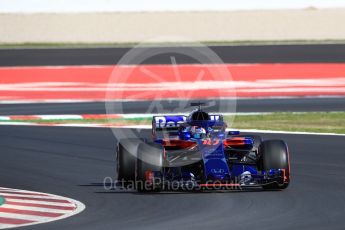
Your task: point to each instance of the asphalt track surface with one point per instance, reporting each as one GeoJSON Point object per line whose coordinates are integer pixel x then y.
{"type": "Point", "coordinates": [332, 53]}
{"type": "Point", "coordinates": [73, 162]}
{"type": "Point", "coordinates": [243, 105]}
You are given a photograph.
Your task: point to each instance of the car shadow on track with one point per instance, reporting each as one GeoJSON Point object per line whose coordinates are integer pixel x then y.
{"type": "Point", "coordinates": [131, 191]}
{"type": "Point", "coordinates": [107, 189]}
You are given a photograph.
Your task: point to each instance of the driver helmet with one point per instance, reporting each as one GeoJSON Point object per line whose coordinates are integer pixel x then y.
{"type": "Point", "coordinates": [198, 132]}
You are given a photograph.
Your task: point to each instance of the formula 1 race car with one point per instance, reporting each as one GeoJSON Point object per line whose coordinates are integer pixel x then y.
{"type": "Point", "coordinates": [196, 152]}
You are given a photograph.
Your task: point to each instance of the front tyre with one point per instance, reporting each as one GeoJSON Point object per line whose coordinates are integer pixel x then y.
{"type": "Point", "coordinates": [149, 161]}
{"type": "Point", "coordinates": [126, 159]}
{"type": "Point", "coordinates": [274, 154]}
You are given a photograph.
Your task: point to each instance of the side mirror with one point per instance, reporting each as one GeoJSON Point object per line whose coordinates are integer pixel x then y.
{"type": "Point", "coordinates": [234, 132]}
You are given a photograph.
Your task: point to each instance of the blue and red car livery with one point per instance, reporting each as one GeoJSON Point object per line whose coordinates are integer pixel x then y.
{"type": "Point", "coordinates": [197, 152]}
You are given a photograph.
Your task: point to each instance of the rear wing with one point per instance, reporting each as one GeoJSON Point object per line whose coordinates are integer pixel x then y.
{"type": "Point", "coordinates": [168, 122]}
{"type": "Point", "coordinates": [173, 122]}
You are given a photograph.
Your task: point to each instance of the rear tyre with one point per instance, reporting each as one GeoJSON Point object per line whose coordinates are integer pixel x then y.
{"type": "Point", "coordinates": [126, 160]}
{"type": "Point", "coordinates": [274, 154]}
{"type": "Point", "coordinates": [150, 159]}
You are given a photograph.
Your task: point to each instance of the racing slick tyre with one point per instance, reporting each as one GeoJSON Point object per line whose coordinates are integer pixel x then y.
{"type": "Point", "coordinates": [274, 154]}
{"type": "Point", "coordinates": [149, 160]}
{"type": "Point", "coordinates": [126, 159]}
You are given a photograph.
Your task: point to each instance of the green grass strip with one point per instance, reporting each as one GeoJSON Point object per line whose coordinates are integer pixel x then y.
{"type": "Point", "coordinates": [322, 122]}
{"type": "Point", "coordinates": [2, 200]}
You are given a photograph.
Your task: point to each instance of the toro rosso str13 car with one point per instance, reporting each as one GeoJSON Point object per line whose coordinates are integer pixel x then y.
{"type": "Point", "coordinates": [196, 152]}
